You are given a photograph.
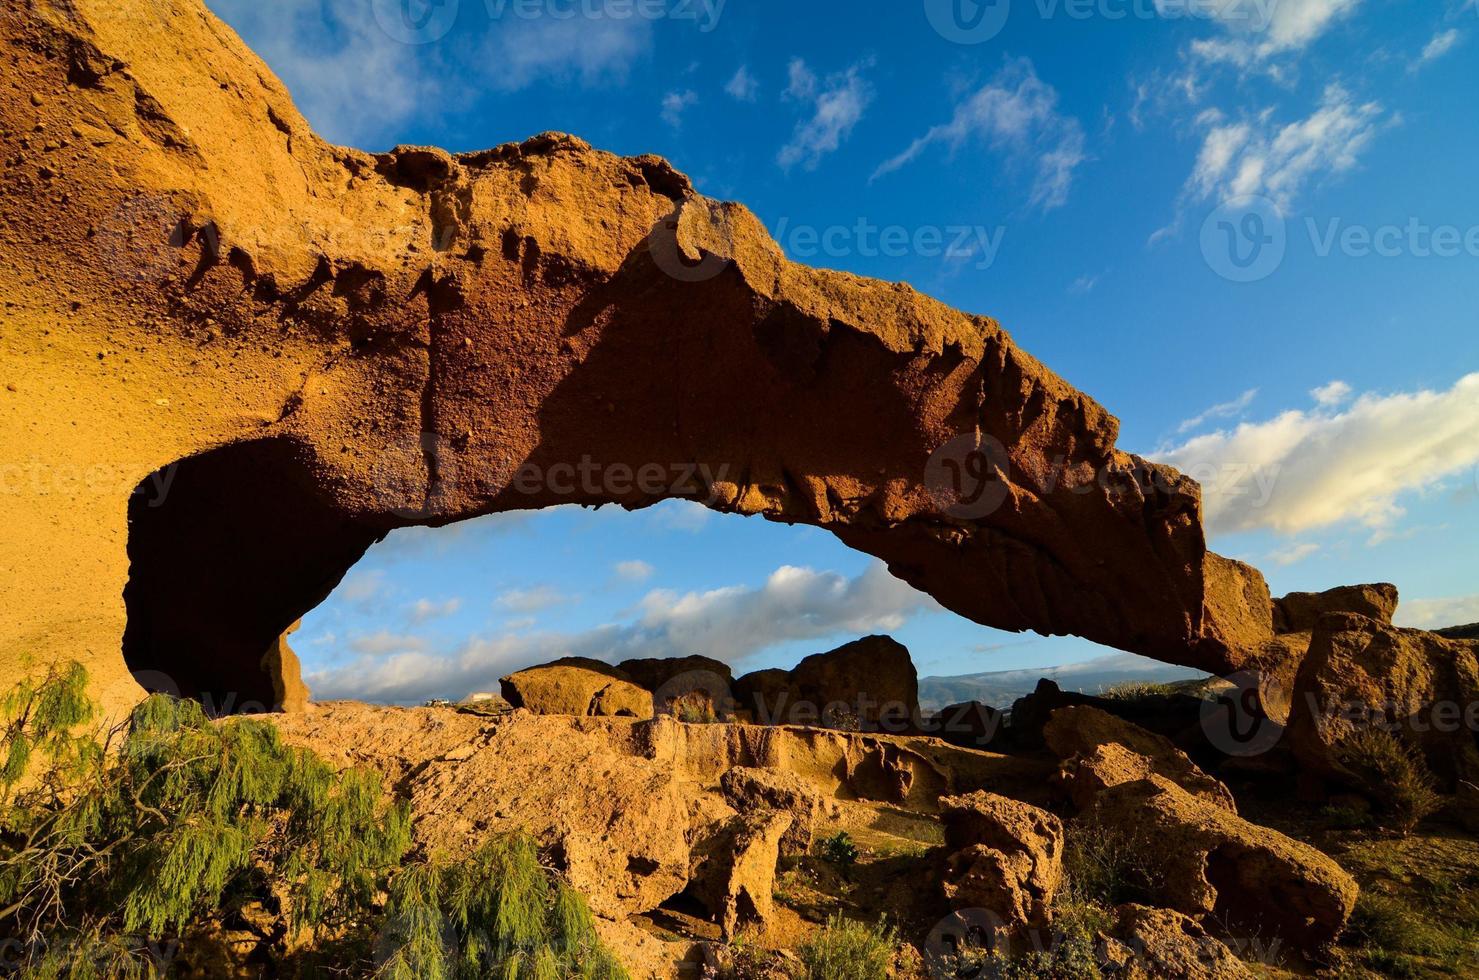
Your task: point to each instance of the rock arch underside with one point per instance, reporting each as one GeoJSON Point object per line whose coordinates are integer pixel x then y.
{"type": "Point", "coordinates": [236, 356]}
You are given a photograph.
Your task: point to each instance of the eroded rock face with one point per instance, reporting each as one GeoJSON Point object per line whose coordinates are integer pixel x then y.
{"type": "Point", "coordinates": [869, 683]}
{"type": "Point", "coordinates": [282, 667]}
{"type": "Point", "coordinates": [1298, 612]}
{"type": "Point", "coordinates": [1207, 860]}
{"type": "Point", "coordinates": [1007, 857]}
{"type": "Point", "coordinates": [1099, 751]}
{"type": "Point", "coordinates": [1156, 943]}
{"type": "Point", "coordinates": [734, 870]}
{"type": "Point", "coordinates": [1362, 672]}
{"type": "Point", "coordinates": [352, 343]}
{"type": "Point", "coordinates": [752, 790]}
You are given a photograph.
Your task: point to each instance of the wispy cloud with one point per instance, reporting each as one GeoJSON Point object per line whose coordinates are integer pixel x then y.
{"type": "Point", "coordinates": [425, 610]}
{"type": "Point", "coordinates": [731, 624]}
{"type": "Point", "coordinates": [531, 600]}
{"type": "Point", "coordinates": [1085, 284]}
{"type": "Point", "coordinates": [1257, 30]}
{"type": "Point", "coordinates": [585, 50]}
{"type": "Point", "coordinates": [634, 571]}
{"type": "Point", "coordinates": [1309, 469]}
{"type": "Point", "coordinates": [362, 587]}
{"type": "Point", "coordinates": [1292, 555]}
{"type": "Point", "coordinates": [1332, 394]}
{"type": "Point", "coordinates": [1442, 43]}
{"type": "Point", "coordinates": [1223, 410]}
{"type": "Point", "coordinates": [743, 86]}
{"type": "Point", "coordinates": [834, 107]}
{"type": "Point", "coordinates": [1016, 114]}
{"type": "Point", "coordinates": [674, 104]}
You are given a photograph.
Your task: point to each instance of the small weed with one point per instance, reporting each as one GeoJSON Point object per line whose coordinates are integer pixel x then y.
{"type": "Point", "coordinates": [849, 950]}
{"type": "Point", "coordinates": [840, 849]}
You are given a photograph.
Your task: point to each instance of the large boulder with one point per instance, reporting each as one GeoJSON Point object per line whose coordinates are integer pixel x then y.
{"type": "Point", "coordinates": [970, 724]}
{"type": "Point", "coordinates": [577, 686]}
{"type": "Point", "coordinates": [762, 694]}
{"type": "Point", "coordinates": [654, 673]}
{"type": "Point", "coordinates": [870, 682]}
{"type": "Point", "coordinates": [1006, 857]}
{"type": "Point", "coordinates": [751, 790]}
{"type": "Point", "coordinates": [1099, 750]}
{"type": "Point", "coordinates": [1363, 672]}
{"type": "Point", "coordinates": [1298, 612]}
{"type": "Point", "coordinates": [1202, 859]}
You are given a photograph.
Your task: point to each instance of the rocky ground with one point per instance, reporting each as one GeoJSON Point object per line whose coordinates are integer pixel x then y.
{"type": "Point", "coordinates": [716, 847]}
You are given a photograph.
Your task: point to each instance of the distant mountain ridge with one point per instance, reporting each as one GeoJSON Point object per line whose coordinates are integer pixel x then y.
{"type": "Point", "coordinates": [1000, 688]}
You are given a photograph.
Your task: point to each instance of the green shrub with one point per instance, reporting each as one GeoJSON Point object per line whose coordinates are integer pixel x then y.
{"type": "Point", "coordinates": [1379, 922]}
{"type": "Point", "coordinates": [1394, 775]}
{"type": "Point", "coordinates": [840, 849]}
{"type": "Point", "coordinates": [1109, 865]}
{"type": "Point", "coordinates": [1070, 951]}
{"type": "Point", "coordinates": [172, 822]}
{"type": "Point", "coordinates": [1136, 691]}
{"type": "Point", "coordinates": [849, 950]}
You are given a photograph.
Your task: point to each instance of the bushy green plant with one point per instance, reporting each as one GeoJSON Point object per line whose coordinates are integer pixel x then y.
{"type": "Point", "coordinates": [115, 843]}
{"type": "Point", "coordinates": [1394, 775]}
{"type": "Point", "coordinates": [497, 913]}
{"type": "Point", "coordinates": [849, 950]}
{"type": "Point", "coordinates": [840, 849]}
{"type": "Point", "coordinates": [1109, 865]}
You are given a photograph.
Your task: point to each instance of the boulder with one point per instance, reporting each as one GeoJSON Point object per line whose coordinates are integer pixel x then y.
{"type": "Point", "coordinates": [1099, 750]}
{"type": "Point", "coordinates": [1161, 944]}
{"type": "Point", "coordinates": [869, 683]}
{"type": "Point", "coordinates": [576, 686]}
{"type": "Point", "coordinates": [1362, 671]}
{"type": "Point", "coordinates": [1298, 612]}
{"type": "Point", "coordinates": [971, 724]}
{"type": "Point", "coordinates": [763, 694]}
{"type": "Point", "coordinates": [733, 871]}
{"type": "Point", "coordinates": [1007, 857]}
{"type": "Point", "coordinates": [1206, 860]}
{"type": "Point", "coordinates": [281, 665]}
{"type": "Point", "coordinates": [654, 673]}
{"type": "Point", "coordinates": [1470, 632]}
{"type": "Point", "coordinates": [751, 790]}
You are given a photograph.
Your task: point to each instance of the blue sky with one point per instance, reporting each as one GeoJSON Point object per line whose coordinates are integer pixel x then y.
{"type": "Point", "coordinates": [1247, 227]}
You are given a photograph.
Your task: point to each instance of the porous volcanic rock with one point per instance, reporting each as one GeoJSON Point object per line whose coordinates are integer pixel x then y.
{"type": "Point", "coordinates": [1161, 944]}
{"type": "Point", "coordinates": [871, 680]}
{"type": "Point", "coordinates": [1203, 859]}
{"type": "Point", "coordinates": [653, 673]}
{"type": "Point", "coordinates": [1007, 856]}
{"type": "Point", "coordinates": [1298, 612]}
{"type": "Point", "coordinates": [749, 789]}
{"type": "Point", "coordinates": [1099, 751]}
{"type": "Point", "coordinates": [285, 671]}
{"type": "Point", "coordinates": [577, 686]}
{"type": "Point", "coordinates": [1361, 672]}
{"type": "Point", "coordinates": [288, 347]}
{"type": "Point", "coordinates": [733, 871]}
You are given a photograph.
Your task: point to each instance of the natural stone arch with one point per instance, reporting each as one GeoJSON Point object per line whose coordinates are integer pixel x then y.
{"type": "Point", "coordinates": [394, 338]}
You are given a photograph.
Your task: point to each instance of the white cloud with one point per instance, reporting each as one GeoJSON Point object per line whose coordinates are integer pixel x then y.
{"type": "Point", "coordinates": [1293, 555]}
{"type": "Point", "coordinates": [591, 51]}
{"type": "Point", "coordinates": [674, 104]}
{"type": "Point", "coordinates": [1084, 284]}
{"type": "Point", "coordinates": [634, 571]}
{"type": "Point", "coordinates": [1257, 30]}
{"type": "Point", "coordinates": [1255, 156]}
{"type": "Point", "coordinates": [835, 105]}
{"type": "Point", "coordinates": [362, 587]}
{"type": "Point", "coordinates": [330, 54]}
{"type": "Point", "coordinates": [1335, 393]}
{"type": "Point", "coordinates": [1441, 44]}
{"type": "Point", "coordinates": [730, 624]}
{"type": "Point", "coordinates": [1015, 113]}
{"type": "Point", "coordinates": [425, 610]}
{"type": "Point", "coordinates": [1305, 470]}
{"type": "Point", "coordinates": [1225, 410]}
{"type": "Point", "coordinates": [530, 600]}
{"type": "Point", "coordinates": [743, 86]}
{"type": "Point", "coordinates": [1437, 614]}
{"type": "Point", "coordinates": [679, 515]}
